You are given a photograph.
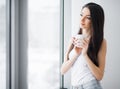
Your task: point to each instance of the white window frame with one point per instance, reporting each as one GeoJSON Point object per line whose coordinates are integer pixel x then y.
{"type": "Point", "coordinates": [16, 24]}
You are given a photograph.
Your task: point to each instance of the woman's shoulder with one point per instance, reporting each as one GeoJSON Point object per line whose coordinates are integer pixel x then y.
{"type": "Point", "coordinates": [104, 44]}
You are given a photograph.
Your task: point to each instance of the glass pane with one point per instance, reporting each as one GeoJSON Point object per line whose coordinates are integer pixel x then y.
{"type": "Point", "coordinates": [2, 44]}
{"type": "Point", "coordinates": [43, 51]}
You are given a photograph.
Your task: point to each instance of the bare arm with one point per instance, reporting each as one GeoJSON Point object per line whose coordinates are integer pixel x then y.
{"type": "Point", "coordinates": [98, 72]}
{"type": "Point", "coordinates": [70, 47]}
{"type": "Point", "coordinates": [68, 63]}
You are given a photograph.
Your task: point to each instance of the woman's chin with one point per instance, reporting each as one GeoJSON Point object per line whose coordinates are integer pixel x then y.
{"type": "Point", "coordinates": [82, 27]}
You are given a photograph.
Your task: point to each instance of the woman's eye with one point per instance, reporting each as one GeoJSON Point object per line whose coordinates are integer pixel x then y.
{"type": "Point", "coordinates": [81, 15]}
{"type": "Point", "coordinates": [89, 18]}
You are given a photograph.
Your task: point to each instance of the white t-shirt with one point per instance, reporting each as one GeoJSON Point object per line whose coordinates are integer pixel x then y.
{"type": "Point", "coordinates": [80, 73]}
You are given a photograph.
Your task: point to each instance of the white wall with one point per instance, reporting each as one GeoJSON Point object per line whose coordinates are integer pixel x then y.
{"type": "Point", "coordinates": [111, 30]}
{"type": "Point", "coordinates": [112, 74]}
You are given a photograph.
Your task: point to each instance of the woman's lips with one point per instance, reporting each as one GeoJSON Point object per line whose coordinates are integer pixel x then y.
{"type": "Point", "coordinates": [82, 24]}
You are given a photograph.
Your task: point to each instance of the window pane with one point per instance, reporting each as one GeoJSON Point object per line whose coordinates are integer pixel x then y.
{"type": "Point", "coordinates": [43, 51]}
{"type": "Point", "coordinates": [2, 45]}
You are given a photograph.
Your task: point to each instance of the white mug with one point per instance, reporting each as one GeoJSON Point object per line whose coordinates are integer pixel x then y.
{"type": "Point", "coordinates": [80, 36]}
{"type": "Point", "coordinates": [78, 39]}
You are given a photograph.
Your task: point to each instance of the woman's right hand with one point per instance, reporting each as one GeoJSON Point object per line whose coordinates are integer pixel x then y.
{"type": "Point", "coordinates": [77, 49]}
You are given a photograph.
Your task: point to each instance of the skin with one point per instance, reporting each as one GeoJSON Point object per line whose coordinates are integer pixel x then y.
{"type": "Point", "coordinates": [86, 25]}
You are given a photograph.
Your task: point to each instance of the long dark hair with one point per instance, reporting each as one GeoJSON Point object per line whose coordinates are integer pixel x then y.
{"type": "Point", "coordinates": [97, 33]}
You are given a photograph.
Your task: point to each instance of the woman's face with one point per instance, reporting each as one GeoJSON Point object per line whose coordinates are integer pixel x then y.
{"type": "Point", "coordinates": [85, 20]}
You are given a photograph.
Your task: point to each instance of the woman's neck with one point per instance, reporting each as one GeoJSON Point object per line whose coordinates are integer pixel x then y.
{"type": "Point", "coordinates": [86, 33]}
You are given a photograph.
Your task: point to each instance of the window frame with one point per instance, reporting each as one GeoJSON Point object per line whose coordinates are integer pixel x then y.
{"type": "Point", "coordinates": [13, 38]}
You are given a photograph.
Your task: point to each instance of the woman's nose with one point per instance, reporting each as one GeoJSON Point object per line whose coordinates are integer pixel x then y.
{"type": "Point", "coordinates": [82, 19]}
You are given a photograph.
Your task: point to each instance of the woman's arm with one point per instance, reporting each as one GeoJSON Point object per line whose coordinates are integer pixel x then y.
{"type": "Point", "coordinates": [70, 47]}
{"type": "Point", "coordinates": [98, 72]}
{"type": "Point", "coordinates": [69, 62]}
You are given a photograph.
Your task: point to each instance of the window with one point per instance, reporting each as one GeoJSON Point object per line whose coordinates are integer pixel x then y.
{"type": "Point", "coordinates": [2, 44]}
{"type": "Point", "coordinates": [43, 44]}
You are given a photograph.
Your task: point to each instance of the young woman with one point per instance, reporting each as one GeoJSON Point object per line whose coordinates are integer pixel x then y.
{"type": "Point", "coordinates": [86, 57]}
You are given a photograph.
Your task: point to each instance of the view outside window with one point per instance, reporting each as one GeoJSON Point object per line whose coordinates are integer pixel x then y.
{"type": "Point", "coordinates": [43, 44]}
{"type": "Point", "coordinates": [2, 44]}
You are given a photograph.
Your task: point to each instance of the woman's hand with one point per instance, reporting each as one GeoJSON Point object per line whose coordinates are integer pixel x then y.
{"type": "Point", "coordinates": [84, 46]}
{"type": "Point", "coordinates": [78, 50]}
{"type": "Point", "coordinates": [81, 44]}
{"type": "Point", "coordinates": [75, 42]}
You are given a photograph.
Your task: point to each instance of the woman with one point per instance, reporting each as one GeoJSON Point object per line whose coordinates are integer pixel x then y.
{"type": "Point", "coordinates": [86, 57]}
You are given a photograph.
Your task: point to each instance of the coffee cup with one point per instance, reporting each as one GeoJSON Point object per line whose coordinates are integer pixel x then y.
{"type": "Point", "coordinates": [78, 40]}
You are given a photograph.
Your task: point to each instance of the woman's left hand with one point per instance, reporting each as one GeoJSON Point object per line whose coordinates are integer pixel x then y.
{"type": "Point", "coordinates": [84, 45]}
